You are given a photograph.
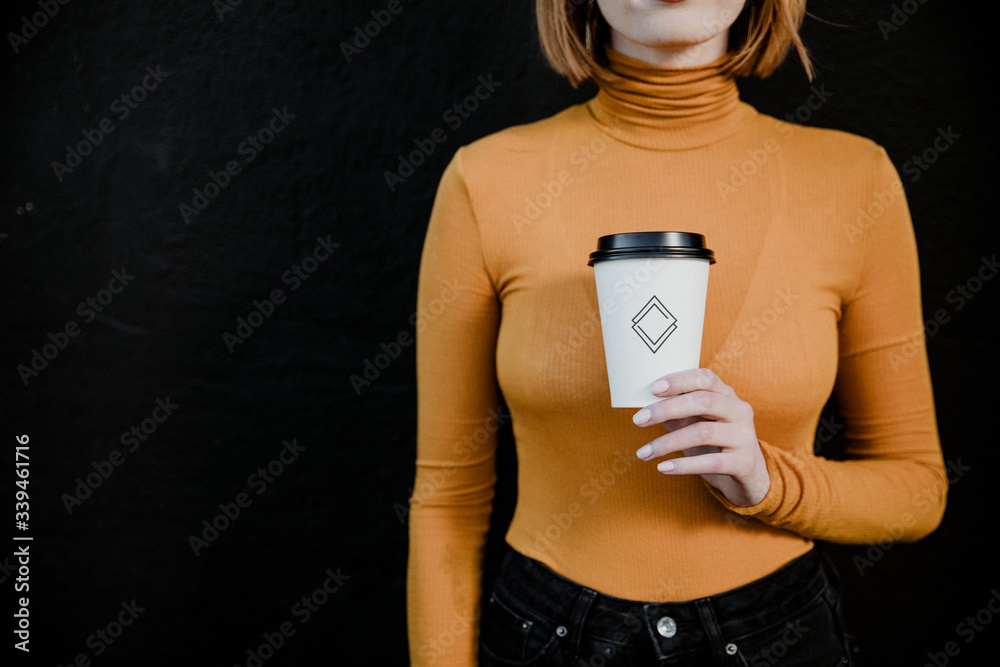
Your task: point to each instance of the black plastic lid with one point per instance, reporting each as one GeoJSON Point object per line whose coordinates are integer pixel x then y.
{"type": "Point", "coordinates": [651, 244]}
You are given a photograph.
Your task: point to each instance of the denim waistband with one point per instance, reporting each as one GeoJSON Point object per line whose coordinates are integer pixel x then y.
{"type": "Point", "coordinates": [727, 616]}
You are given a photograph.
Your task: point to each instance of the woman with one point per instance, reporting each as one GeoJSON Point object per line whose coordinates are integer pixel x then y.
{"type": "Point", "coordinates": [691, 545]}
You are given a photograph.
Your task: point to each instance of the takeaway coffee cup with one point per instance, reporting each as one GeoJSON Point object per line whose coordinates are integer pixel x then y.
{"type": "Point", "coordinates": [651, 289]}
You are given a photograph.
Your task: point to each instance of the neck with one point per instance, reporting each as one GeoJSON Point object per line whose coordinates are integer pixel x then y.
{"type": "Point", "coordinates": [664, 108]}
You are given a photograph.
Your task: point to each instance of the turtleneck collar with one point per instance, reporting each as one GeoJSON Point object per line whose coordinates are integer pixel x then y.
{"type": "Point", "coordinates": [663, 108]}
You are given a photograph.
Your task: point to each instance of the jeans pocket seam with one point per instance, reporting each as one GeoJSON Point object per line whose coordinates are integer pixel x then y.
{"type": "Point", "coordinates": [529, 620]}
{"type": "Point", "coordinates": [518, 608]}
{"type": "Point", "coordinates": [815, 601]}
{"type": "Point", "coordinates": [527, 662]}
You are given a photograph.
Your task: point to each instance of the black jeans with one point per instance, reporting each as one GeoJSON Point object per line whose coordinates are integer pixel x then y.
{"type": "Point", "coordinates": [791, 617]}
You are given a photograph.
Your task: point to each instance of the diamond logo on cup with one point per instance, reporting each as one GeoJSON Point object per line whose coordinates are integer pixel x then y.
{"type": "Point", "coordinates": [654, 324]}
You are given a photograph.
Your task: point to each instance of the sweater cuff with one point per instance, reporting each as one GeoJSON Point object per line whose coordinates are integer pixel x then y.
{"type": "Point", "coordinates": [772, 499]}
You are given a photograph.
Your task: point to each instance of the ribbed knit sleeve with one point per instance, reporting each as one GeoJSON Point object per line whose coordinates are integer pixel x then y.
{"type": "Point", "coordinates": [457, 398]}
{"type": "Point", "coordinates": [893, 485]}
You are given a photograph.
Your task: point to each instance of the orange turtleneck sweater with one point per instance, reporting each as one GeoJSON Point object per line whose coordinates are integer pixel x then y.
{"type": "Point", "coordinates": [816, 289]}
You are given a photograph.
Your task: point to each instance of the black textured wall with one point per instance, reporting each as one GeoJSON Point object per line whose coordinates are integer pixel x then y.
{"type": "Point", "coordinates": [207, 286]}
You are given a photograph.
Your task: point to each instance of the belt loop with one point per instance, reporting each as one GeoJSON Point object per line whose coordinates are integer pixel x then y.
{"type": "Point", "coordinates": [712, 630]}
{"type": "Point", "coordinates": [576, 621]}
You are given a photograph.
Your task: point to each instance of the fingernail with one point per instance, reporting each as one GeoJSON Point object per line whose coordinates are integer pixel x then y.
{"type": "Point", "coordinates": [666, 466]}
{"type": "Point", "coordinates": [659, 386]}
{"type": "Point", "coordinates": [641, 417]}
{"type": "Point", "coordinates": [644, 452]}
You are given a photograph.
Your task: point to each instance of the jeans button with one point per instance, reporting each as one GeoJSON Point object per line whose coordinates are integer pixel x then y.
{"type": "Point", "coordinates": [561, 631]}
{"type": "Point", "coordinates": [666, 627]}
{"type": "Point", "coordinates": [731, 649]}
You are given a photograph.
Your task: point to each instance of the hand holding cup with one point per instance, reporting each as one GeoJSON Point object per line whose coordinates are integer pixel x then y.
{"type": "Point", "coordinates": [713, 428]}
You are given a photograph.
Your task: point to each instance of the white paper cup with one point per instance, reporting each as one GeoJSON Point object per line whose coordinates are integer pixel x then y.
{"type": "Point", "coordinates": [651, 289]}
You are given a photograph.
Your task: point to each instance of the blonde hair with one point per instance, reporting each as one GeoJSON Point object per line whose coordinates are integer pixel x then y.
{"type": "Point", "coordinates": [759, 39]}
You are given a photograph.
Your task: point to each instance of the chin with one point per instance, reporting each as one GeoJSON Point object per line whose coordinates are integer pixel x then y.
{"type": "Point", "coordinates": [670, 24]}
